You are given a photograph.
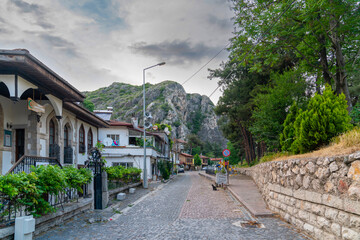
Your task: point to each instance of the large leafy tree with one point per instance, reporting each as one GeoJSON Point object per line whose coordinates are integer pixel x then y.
{"type": "Point", "coordinates": [323, 35]}
{"type": "Point", "coordinates": [272, 102]}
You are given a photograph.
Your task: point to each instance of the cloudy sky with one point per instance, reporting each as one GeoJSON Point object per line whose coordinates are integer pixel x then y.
{"type": "Point", "coordinates": [93, 43]}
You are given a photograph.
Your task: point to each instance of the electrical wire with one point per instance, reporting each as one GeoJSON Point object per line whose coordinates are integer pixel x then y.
{"type": "Point", "coordinates": [206, 64]}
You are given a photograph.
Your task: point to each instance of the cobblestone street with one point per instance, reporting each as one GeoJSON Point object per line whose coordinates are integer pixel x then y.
{"type": "Point", "coordinates": [184, 208]}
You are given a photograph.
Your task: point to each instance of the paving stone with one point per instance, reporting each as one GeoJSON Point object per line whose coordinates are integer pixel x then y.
{"type": "Point", "coordinates": [166, 214]}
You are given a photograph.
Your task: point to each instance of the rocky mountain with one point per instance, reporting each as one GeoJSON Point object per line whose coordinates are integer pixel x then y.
{"type": "Point", "coordinates": [167, 102]}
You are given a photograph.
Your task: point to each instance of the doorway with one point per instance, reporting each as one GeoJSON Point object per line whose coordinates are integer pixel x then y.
{"type": "Point", "coordinates": [19, 143]}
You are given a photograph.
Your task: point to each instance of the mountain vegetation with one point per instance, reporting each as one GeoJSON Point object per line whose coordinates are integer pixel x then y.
{"type": "Point", "coordinates": [281, 57]}
{"type": "Point", "coordinates": [189, 115]}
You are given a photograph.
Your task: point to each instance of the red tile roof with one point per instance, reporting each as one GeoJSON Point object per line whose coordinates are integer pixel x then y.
{"type": "Point", "coordinates": [118, 123]}
{"type": "Point", "coordinates": [186, 155]}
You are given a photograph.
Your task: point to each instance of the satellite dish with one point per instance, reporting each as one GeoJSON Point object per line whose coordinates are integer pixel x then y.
{"type": "Point", "coordinates": [147, 125]}
{"type": "Point", "coordinates": [148, 115]}
{"type": "Point", "coordinates": [108, 142]}
{"type": "Point", "coordinates": [155, 128]}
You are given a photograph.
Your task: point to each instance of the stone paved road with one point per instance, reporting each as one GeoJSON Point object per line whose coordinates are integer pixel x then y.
{"type": "Point", "coordinates": [185, 208]}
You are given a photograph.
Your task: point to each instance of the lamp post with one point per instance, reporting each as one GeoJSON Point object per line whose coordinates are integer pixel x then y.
{"type": "Point", "coordinates": [145, 180]}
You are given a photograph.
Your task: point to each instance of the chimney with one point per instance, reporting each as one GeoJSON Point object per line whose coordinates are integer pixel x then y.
{"type": "Point", "coordinates": [134, 122]}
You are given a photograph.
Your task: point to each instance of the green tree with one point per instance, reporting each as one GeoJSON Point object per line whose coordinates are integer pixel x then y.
{"type": "Point", "coordinates": [197, 160]}
{"type": "Point", "coordinates": [321, 35]}
{"type": "Point", "coordinates": [234, 156]}
{"type": "Point", "coordinates": [325, 117]}
{"type": "Point", "coordinates": [355, 114]}
{"type": "Point", "coordinates": [88, 105]}
{"type": "Point", "coordinates": [271, 102]}
{"type": "Point", "coordinates": [288, 134]}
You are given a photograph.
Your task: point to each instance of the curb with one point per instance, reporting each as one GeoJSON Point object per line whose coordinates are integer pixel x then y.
{"type": "Point", "coordinates": [249, 208]}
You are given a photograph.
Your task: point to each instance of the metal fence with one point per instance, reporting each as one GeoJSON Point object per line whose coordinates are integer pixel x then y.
{"type": "Point", "coordinates": [11, 208]}
{"type": "Point", "coordinates": [25, 163]}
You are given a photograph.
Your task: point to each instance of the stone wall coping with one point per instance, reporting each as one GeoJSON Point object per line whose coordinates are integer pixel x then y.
{"type": "Point", "coordinates": [117, 190]}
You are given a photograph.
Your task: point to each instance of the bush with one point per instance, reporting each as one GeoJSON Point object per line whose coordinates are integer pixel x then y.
{"type": "Point", "coordinates": [355, 114]}
{"type": "Point", "coordinates": [122, 174]}
{"type": "Point", "coordinates": [325, 117]}
{"type": "Point", "coordinates": [31, 190]}
{"type": "Point", "coordinates": [288, 134]}
{"type": "Point", "coordinates": [165, 169]}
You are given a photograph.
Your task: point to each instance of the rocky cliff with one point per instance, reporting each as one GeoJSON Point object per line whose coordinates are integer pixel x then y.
{"type": "Point", "coordinates": [167, 102]}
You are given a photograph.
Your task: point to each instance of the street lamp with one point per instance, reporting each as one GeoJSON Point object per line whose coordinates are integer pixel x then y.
{"type": "Point", "coordinates": [145, 180]}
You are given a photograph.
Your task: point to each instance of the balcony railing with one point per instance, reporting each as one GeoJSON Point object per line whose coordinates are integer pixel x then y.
{"type": "Point", "coordinates": [25, 162]}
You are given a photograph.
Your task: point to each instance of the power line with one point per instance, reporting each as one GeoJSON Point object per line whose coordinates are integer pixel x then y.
{"type": "Point", "coordinates": [256, 43]}
{"type": "Point", "coordinates": [206, 64]}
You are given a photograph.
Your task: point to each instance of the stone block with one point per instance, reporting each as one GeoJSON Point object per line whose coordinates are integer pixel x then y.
{"type": "Point", "coordinates": [318, 209]}
{"type": "Point", "coordinates": [355, 221]}
{"type": "Point", "coordinates": [121, 196]}
{"type": "Point", "coordinates": [306, 181]}
{"type": "Point", "coordinates": [332, 201]}
{"type": "Point", "coordinates": [303, 215]}
{"type": "Point", "coordinates": [298, 180]}
{"type": "Point", "coordinates": [300, 194]}
{"type": "Point", "coordinates": [354, 191]}
{"type": "Point", "coordinates": [309, 228]}
{"type": "Point", "coordinates": [132, 190]}
{"type": "Point", "coordinates": [329, 186]}
{"type": "Point", "coordinates": [343, 186]}
{"type": "Point", "coordinates": [343, 218]}
{"type": "Point", "coordinates": [336, 229]}
{"type": "Point", "coordinates": [318, 233]}
{"type": "Point", "coordinates": [313, 220]}
{"type": "Point", "coordinates": [323, 222]}
{"type": "Point", "coordinates": [287, 191]}
{"type": "Point", "coordinates": [328, 236]}
{"type": "Point", "coordinates": [313, 197]}
{"type": "Point", "coordinates": [350, 234]}
{"type": "Point", "coordinates": [331, 213]}
{"type": "Point", "coordinates": [333, 167]}
{"type": "Point", "coordinates": [311, 167]}
{"type": "Point", "coordinates": [352, 206]}
{"type": "Point", "coordinates": [352, 157]}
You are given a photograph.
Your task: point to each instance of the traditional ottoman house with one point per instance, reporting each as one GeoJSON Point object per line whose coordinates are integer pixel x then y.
{"type": "Point", "coordinates": [41, 116]}
{"type": "Point", "coordinates": [187, 160]}
{"type": "Point", "coordinates": [204, 160]}
{"type": "Point", "coordinates": [123, 144]}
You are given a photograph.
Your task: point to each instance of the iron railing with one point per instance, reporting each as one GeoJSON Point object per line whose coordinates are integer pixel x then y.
{"type": "Point", "coordinates": [9, 210]}
{"type": "Point", "coordinates": [54, 151]}
{"type": "Point", "coordinates": [25, 163]}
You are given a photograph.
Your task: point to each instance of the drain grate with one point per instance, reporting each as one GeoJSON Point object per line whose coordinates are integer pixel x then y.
{"type": "Point", "coordinates": [249, 224]}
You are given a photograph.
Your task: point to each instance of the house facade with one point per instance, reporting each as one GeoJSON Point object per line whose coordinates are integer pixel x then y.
{"type": "Point", "coordinates": [123, 145]}
{"type": "Point", "coordinates": [40, 114]}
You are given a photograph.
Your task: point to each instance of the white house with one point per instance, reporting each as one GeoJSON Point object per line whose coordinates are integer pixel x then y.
{"type": "Point", "coordinates": [40, 115]}
{"type": "Point", "coordinates": [123, 144]}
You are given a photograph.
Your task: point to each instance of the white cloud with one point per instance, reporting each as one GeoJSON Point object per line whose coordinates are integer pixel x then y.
{"type": "Point", "coordinates": [90, 45]}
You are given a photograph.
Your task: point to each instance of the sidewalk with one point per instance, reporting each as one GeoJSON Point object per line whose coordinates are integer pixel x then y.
{"type": "Point", "coordinates": [245, 190]}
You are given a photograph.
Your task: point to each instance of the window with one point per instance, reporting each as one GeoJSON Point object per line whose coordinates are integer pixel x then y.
{"type": "Point", "coordinates": [89, 140]}
{"type": "Point", "coordinates": [81, 139]}
{"type": "Point", "coordinates": [124, 164]}
{"type": "Point", "coordinates": [115, 138]}
{"type": "Point", "coordinates": [132, 140]}
{"type": "Point", "coordinates": [51, 132]}
{"type": "Point", "coordinates": [66, 136]}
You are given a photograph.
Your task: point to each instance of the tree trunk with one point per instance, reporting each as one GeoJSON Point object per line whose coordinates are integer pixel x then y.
{"type": "Point", "coordinates": [324, 60]}
{"type": "Point", "coordinates": [341, 77]}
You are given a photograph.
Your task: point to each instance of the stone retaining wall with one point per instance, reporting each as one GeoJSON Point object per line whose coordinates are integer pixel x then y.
{"type": "Point", "coordinates": [319, 195]}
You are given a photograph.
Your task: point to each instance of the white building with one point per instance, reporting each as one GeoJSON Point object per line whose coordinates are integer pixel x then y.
{"type": "Point", "coordinates": [58, 128]}
{"type": "Point", "coordinates": [123, 145]}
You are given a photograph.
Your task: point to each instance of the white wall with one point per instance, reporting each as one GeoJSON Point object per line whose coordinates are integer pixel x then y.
{"type": "Point", "coordinates": [6, 162]}
{"type": "Point", "coordinates": [123, 133]}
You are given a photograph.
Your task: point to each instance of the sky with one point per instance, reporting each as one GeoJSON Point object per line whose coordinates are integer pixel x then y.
{"type": "Point", "coordinates": [93, 43]}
